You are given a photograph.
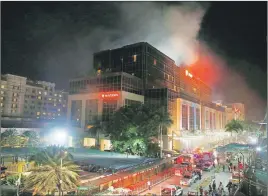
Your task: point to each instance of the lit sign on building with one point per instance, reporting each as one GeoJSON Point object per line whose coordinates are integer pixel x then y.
{"type": "Point", "coordinates": [110, 95]}
{"type": "Point", "coordinates": [187, 73]}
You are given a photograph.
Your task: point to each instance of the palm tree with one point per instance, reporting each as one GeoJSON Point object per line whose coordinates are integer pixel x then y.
{"type": "Point", "coordinates": [32, 137]}
{"type": "Point", "coordinates": [234, 126]}
{"type": "Point", "coordinates": [57, 173]}
{"type": "Point", "coordinates": [97, 129]}
{"type": "Point", "coordinates": [11, 138]}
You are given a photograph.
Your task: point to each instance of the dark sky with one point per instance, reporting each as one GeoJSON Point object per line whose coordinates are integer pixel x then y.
{"type": "Point", "coordinates": [42, 40]}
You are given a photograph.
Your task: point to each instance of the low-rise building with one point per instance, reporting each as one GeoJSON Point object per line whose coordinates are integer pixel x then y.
{"type": "Point", "coordinates": [23, 98]}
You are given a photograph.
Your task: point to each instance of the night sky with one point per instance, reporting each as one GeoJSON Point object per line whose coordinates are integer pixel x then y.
{"type": "Point", "coordinates": [42, 41]}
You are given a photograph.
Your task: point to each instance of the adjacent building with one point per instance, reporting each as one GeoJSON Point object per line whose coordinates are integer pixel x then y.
{"type": "Point", "coordinates": [235, 111]}
{"type": "Point", "coordinates": [22, 98]}
{"type": "Point", "coordinates": [141, 73]}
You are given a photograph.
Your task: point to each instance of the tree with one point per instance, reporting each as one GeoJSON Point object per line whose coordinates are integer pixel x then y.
{"type": "Point", "coordinates": [234, 126]}
{"type": "Point", "coordinates": [11, 138]}
{"type": "Point", "coordinates": [32, 138]}
{"type": "Point", "coordinates": [134, 127]}
{"type": "Point", "coordinates": [57, 173]}
{"type": "Point", "coordinates": [97, 129]}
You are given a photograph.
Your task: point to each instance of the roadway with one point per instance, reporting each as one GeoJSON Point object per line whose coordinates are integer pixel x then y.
{"type": "Point", "coordinates": [207, 178]}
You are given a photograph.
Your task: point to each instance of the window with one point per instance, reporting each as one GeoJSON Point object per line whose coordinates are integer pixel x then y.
{"type": "Point", "coordinates": [108, 108]}
{"type": "Point", "coordinates": [45, 93]}
{"type": "Point", "coordinates": [15, 94]}
{"type": "Point", "coordinates": [39, 97]}
{"type": "Point", "coordinates": [191, 120]}
{"type": "Point", "coordinates": [59, 110]}
{"type": "Point", "coordinates": [39, 92]}
{"type": "Point", "coordinates": [134, 58]}
{"type": "Point", "coordinates": [154, 61]}
{"type": "Point", "coordinates": [2, 86]}
{"type": "Point", "coordinates": [210, 120]}
{"type": "Point", "coordinates": [197, 119]}
{"type": "Point", "coordinates": [129, 102]}
{"type": "Point", "coordinates": [49, 99]}
{"type": "Point", "coordinates": [2, 104]}
{"type": "Point", "coordinates": [207, 120]}
{"type": "Point", "coordinates": [60, 96]}
{"type": "Point", "coordinates": [15, 99]}
{"type": "Point", "coordinates": [37, 113]}
{"type": "Point", "coordinates": [55, 95]}
{"type": "Point", "coordinates": [2, 92]}
{"type": "Point", "coordinates": [184, 113]}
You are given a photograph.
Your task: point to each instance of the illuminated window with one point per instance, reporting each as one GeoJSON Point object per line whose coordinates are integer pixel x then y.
{"type": "Point", "coordinates": [55, 95]}
{"type": "Point", "coordinates": [154, 61]}
{"type": "Point", "coordinates": [55, 104]}
{"type": "Point", "coordinates": [2, 104]}
{"type": "Point", "coordinates": [14, 105]}
{"type": "Point", "coordinates": [39, 97]}
{"type": "Point", "coordinates": [58, 110]}
{"type": "Point", "coordinates": [45, 93]}
{"type": "Point", "coordinates": [37, 117]}
{"type": "Point", "coordinates": [15, 94]}
{"type": "Point", "coordinates": [59, 95]}
{"type": "Point", "coordinates": [59, 100]}
{"type": "Point", "coordinates": [14, 99]}
{"type": "Point", "coordinates": [98, 72]}
{"type": "Point", "coordinates": [37, 113]}
{"type": "Point", "coordinates": [2, 86]}
{"type": "Point", "coordinates": [2, 92]}
{"type": "Point", "coordinates": [49, 99]}
{"type": "Point", "coordinates": [2, 98]}
{"type": "Point", "coordinates": [44, 113]}
{"type": "Point", "coordinates": [135, 58]}
{"type": "Point", "coordinates": [40, 92]}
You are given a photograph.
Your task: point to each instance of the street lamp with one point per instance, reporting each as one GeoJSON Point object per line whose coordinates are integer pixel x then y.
{"type": "Point", "coordinates": [258, 149]}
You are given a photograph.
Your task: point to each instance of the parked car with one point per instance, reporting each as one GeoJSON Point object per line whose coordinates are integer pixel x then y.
{"type": "Point", "coordinates": [187, 180]}
{"type": "Point", "coordinates": [172, 190]}
{"type": "Point", "coordinates": [192, 193]}
{"type": "Point", "coordinates": [195, 177]}
{"type": "Point", "coordinates": [207, 166]}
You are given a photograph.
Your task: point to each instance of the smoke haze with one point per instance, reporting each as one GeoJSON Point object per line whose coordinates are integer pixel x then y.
{"type": "Point", "coordinates": [69, 35]}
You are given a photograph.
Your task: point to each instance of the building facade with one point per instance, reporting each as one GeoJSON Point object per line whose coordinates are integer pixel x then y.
{"type": "Point", "coordinates": [23, 98]}
{"type": "Point", "coordinates": [160, 82]}
{"type": "Point", "coordinates": [96, 98]}
{"type": "Point", "coordinates": [235, 111]}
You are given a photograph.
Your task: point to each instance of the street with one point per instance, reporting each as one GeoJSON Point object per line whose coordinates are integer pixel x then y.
{"type": "Point", "coordinates": [204, 182]}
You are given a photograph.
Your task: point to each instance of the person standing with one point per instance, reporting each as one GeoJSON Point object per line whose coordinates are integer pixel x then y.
{"type": "Point", "coordinates": [210, 189]}
{"type": "Point", "coordinates": [149, 185]}
{"type": "Point", "coordinates": [229, 186]}
{"type": "Point", "coordinates": [201, 191]}
{"type": "Point", "coordinates": [214, 185]}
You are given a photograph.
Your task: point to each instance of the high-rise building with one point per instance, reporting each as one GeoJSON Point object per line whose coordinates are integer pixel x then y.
{"type": "Point", "coordinates": [23, 98]}
{"type": "Point", "coordinates": [159, 82]}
